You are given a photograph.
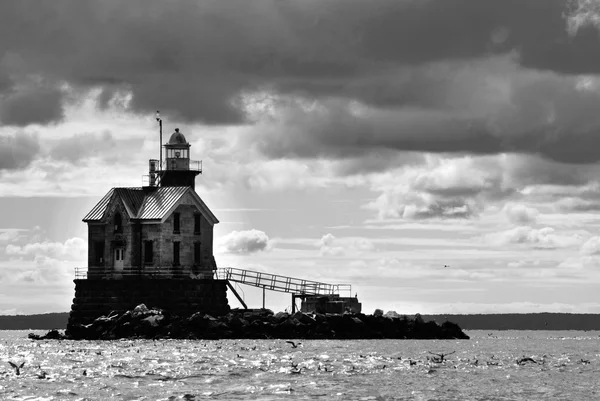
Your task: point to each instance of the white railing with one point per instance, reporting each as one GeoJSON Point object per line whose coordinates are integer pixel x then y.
{"type": "Point", "coordinates": [282, 283]}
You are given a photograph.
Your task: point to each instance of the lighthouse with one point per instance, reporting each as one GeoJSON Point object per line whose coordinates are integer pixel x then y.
{"type": "Point", "coordinates": [152, 244]}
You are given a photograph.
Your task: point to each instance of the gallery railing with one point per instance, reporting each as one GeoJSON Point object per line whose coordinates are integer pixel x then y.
{"type": "Point", "coordinates": [83, 273]}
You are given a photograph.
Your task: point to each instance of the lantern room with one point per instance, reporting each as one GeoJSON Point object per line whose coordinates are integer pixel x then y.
{"type": "Point", "coordinates": [178, 152]}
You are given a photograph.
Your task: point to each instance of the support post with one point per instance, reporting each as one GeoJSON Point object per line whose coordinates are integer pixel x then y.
{"type": "Point", "coordinates": [236, 294]}
{"type": "Point", "coordinates": [263, 297]}
{"type": "Point", "coordinates": [293, 303]}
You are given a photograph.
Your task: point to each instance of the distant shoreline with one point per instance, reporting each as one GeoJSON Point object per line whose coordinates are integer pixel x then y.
{"type": "Point", "coordinates": [500, 321]}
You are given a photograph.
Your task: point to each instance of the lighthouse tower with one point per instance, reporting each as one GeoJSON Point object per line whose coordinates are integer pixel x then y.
{"type": "Point", "coordinates": [177, 170]}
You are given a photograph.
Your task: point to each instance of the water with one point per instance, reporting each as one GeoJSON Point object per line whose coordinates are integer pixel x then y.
{"type": "Point", "coordinates": [316, 369]}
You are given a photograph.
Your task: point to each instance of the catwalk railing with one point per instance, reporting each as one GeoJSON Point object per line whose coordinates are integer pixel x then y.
{"type": "Point", "coordinates": [282, 283]}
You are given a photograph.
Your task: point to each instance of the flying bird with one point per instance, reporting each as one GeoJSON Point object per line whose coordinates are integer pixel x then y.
{"type": "Point", "coordinates": [294, 345]}
{"type": "Point", "coordinates": [17, 368]}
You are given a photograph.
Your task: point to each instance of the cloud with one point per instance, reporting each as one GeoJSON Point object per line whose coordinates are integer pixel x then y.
{"type": "Point", "coordinates": [9, 235]}
{"type": "Point", "coordinates": [202, 58]}
{"type": "Point", "coordinates": [490, 105]}
{"type": "Point", "coordinates": [520, 214]}
{"type": "Point", "coordinates": [73, 249]}
{"type": "Point", "coordinates": [442, 188]}
{"type": "Point", "coordinates": [588, 259]}
{"type": "Point", "coordinates": [280, 174]}
{"type": "Point", "coordinates": [327, 247]}
{"type": "Point", "coordinates": [591, 246]}
{"type": "Point", "coordinates": [45, 261]}
{"type": "Point", "coordinates": [583, 13]}
{"type": "Point", "coordinates": [364, 244]}
{"type": "Point", "coordinates": [81, 146]}
{"type": "Point", "coordinates": [244, 242]}
{"type": "Point", "coordinates": [31, 103]}
{"type": "Point", "coordinates": [543, 238]}
{"type": "Point", "coordinates": [17, 151]}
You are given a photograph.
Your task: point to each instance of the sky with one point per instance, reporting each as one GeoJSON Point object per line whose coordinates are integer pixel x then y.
{"type": "Point", "coordinates": [441, 156]}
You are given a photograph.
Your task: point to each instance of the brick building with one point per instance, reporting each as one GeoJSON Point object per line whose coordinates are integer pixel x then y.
{"type": "Point", "coordinates": [161, 229]}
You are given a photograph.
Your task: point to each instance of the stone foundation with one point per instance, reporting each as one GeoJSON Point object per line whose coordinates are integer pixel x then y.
{"type": "Point", "coordinates": [94, 298]}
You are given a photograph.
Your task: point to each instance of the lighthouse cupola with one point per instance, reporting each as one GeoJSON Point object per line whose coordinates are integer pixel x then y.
{"type": "Point", "coordinates": [178, 169]}
{"type": "Point", "coordinates": [177, 152]}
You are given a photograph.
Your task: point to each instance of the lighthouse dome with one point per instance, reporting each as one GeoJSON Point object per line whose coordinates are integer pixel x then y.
{"type": "Point", "coordinates": [177, 138]}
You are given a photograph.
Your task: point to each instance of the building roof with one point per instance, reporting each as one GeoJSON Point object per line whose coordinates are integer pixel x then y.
{"type": "Point", "coordinates": [157, 204]}
{"type": "Point", "coordinates": [177, 138]}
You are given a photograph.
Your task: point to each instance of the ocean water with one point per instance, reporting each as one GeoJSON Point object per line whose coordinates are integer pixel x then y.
{"type": "Point", "coordinates": [483, 368]}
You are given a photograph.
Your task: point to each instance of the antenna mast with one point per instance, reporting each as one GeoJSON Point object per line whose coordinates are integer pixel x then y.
{"type": "Point", "coordinates": [160, 140]}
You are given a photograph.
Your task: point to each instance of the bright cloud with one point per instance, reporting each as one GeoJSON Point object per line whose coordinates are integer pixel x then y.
{"type": "Point", "coordinates": [72, 249]}
{"type": "Point", "coordinates": [244, 242]}
{"type": "Point", "coordinates": [545, 238]}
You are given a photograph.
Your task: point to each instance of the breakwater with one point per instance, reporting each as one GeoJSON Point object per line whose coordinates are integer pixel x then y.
{"type": "Point", "coordinates": [142, 322]}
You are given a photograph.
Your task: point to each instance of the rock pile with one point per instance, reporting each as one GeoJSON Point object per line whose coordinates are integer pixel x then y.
{"type": "Point", "coordinates": [142, 322]}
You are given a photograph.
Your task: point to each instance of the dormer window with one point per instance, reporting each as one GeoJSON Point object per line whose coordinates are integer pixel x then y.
{"type": "Point", "coordinates": [118, 223]}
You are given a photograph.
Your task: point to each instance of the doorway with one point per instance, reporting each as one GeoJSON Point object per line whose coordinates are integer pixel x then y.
{"type": "Point", "coordinates": [119, 254]}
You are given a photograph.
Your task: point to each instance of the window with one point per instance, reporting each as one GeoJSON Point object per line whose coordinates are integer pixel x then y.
{"type": "Point", "coordinates": [99, 252]}
{"type": "Point", "coordinates": [176, 223]}
{"type": "Point", "coordinates": [148, 252]}
{"type": "Point", "coordinates": [197, 253]}
{"type": "Point", "coordinates": [119, 252]}
{"type": "Point", "coordinates": [175, 253]}
{"type": "Point", "coordinates": [118, 223]}
{"type": "Point", "coordinates": [197, 218]}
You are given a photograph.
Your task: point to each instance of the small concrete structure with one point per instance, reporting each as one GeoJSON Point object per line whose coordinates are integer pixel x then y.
{"type": "Point", "coordinates": [330, 304]}
{"type": "Point", "coordinates": [152, 245]}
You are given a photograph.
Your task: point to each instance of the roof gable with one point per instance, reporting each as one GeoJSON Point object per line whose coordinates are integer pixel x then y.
{"type": "Point", "coordinates": [130, 197]}
{"type": "Point", "coordinates": [197, 201]}
{"type": "Point", "coordinates": [97, 212]}
{"type": "Point", "coordinates": [157, 204]}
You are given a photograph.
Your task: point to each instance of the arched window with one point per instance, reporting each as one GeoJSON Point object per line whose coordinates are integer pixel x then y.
{"type": "Point", "coordinates": [118, 223]}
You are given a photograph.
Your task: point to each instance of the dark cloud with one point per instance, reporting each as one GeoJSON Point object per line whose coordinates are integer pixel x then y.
{"type": "Point", "coordinates": [32, 104]}
{"type": "Point", "coordinates": [376, 161]}
{"type": "Point", "coordinates": [486, 106]}
{"type": "Point", "coordinates": [463, 76]}
{"type": "Point", "coordinates": [18, 151]}
{"type": "Point", "coordinates": [194, 59]}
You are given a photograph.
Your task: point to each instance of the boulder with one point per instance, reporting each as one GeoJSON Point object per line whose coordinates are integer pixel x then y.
{"type": "Point", "coordinates": [391, 315]}
{"type": "Point", "coordinates": [304, 318]}
{"type": "Point", "coordinates": [141, 309]}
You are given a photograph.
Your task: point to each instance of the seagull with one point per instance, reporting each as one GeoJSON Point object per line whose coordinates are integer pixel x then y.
{"type": "Point", "coordinates": [17, 368]}
{"type": "Point", "coordinates": [294, 345]}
